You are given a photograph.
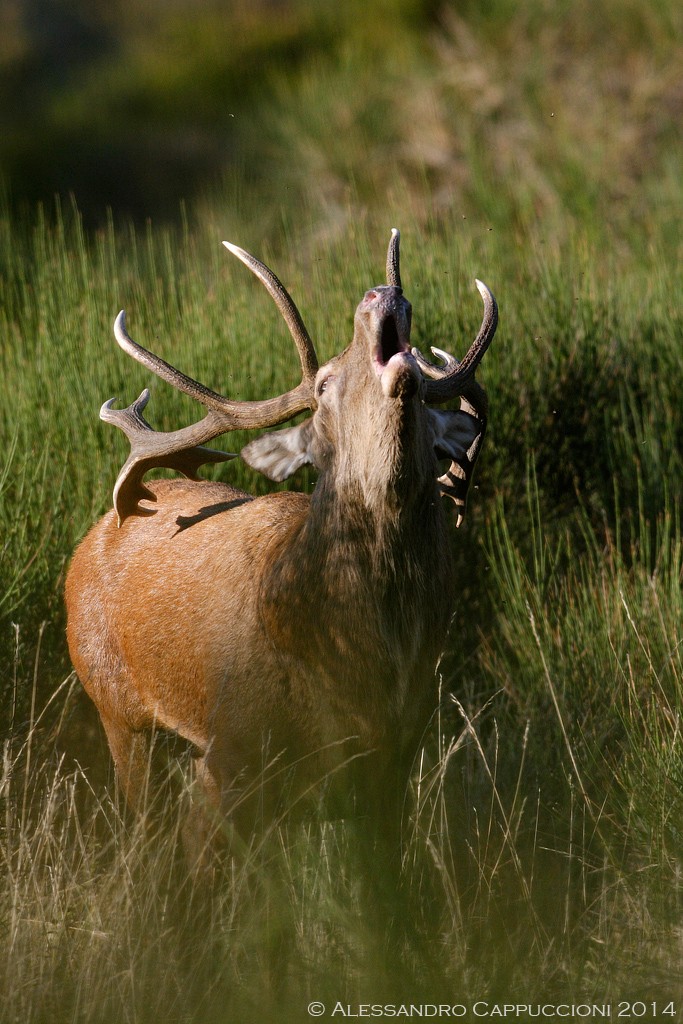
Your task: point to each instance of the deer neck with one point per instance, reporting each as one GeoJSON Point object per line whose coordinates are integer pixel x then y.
{"type": "Point", "coordinates": [374, 538]}
{"type": "Point", "coordinates": [378, 591]}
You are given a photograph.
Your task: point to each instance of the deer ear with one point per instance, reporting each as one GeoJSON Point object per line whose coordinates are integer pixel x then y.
{"type": "Point", "coordinates": [458, 436]}
{"type": "Point", "coordinates": [281, 453]}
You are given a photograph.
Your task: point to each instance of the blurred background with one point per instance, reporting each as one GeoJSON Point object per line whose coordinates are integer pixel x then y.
{"type": "Point", "coordinates": [515, 112]}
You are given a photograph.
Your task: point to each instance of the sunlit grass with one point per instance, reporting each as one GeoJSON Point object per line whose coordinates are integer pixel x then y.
{"type": "Point", "coordinates": [542, 847]}
{"type": "Point", "coordinates": [527, 873]}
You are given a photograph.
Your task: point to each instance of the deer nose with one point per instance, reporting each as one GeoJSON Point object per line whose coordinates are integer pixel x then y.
{"type": "Point", "coordinates": [388, 294]}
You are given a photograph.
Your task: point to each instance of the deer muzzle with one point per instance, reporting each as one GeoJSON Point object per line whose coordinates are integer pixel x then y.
{"type": "Point", "coordinates": [386, 317]}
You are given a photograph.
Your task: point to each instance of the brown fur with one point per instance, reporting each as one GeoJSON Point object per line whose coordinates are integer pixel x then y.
{"type": "Point", "coordinates": [301, 629]}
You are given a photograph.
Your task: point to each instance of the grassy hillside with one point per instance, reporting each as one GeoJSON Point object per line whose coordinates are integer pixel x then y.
{"type": "Point", "coordinates": [533, 146]}
{"type": "Point", "coordinates": [536, 114]}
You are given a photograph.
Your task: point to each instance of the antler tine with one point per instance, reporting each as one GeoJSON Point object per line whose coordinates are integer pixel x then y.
{"type": "Point", "coordinates": [183, 449]}
{"type": "Point", "coordinates": [394, 259]}
{"type": "Point", "coordinates": [179, 449]}
{"type": "Point", "coordinates": [429, 369]}
{"type": "Point", "coordinates": [163, 369]}
{"type": "Point", "coordinates": [455, 482]}
{"type": "Point", "coordinates": [232, 415]}
{"type": "Point", "coordinates": [450, 380]}
{"type": "Point", "coordinates": [285, 303]}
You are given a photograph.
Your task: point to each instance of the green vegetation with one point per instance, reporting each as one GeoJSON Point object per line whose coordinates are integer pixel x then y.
{"type": "Point", "coordinates": [533, 146]}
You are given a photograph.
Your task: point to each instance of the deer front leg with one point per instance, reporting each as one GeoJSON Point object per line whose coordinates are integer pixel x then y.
{"type": "Point", "coordinates": [130, 751]}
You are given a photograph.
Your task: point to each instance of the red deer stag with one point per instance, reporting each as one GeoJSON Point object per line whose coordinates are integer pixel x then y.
{"type": "Point", "coordinates": [295, 630]}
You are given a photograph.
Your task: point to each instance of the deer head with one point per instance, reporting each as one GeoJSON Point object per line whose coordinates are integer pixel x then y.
{"type": "Point", "coordinates": [378, 376]}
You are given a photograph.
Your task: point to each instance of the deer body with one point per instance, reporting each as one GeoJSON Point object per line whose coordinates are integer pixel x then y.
{"type": "Point", "coordinates": [241, 674]}
{"type": "Point", "coordinates": [287, 630]}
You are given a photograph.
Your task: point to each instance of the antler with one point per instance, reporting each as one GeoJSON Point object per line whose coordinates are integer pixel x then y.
{"type": "Point", "coordinates": [448, 381]}
{"type": "Point", "coordinates": [393, 259]}
{"type": "Point", "coordinates": [473, 416]}
{"type": "Point", "coordinates": [150, 448]}
{"type": "Point", "coordinates": [456, 379]}
{"type": "Point", "coordinates": [183, 449]}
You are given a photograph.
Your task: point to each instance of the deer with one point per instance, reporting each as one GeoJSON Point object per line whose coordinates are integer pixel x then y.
{"type": "Point", "coordinates": [289, 637]}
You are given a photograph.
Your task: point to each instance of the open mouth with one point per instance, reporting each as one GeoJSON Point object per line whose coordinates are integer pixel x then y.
{"type": "Point", "coordinates": [389, 340]}
{"type": "Point", "coordinates": [386, 317]}
{"type": "Point", "coordinates": [389, 344]}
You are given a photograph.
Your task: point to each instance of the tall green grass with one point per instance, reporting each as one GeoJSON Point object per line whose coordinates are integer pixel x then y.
{"type": "Point", "coordinates": [542, 844]}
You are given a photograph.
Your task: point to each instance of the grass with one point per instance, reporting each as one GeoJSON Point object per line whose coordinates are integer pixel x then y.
{"type": "Point", "coordinates": [543, 848]}
{"type": "Point", "coordinates": [544, 866]}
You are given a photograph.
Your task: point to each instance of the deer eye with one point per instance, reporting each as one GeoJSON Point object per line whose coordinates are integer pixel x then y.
{"type": "Point", "coordinates": [322, 386]}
